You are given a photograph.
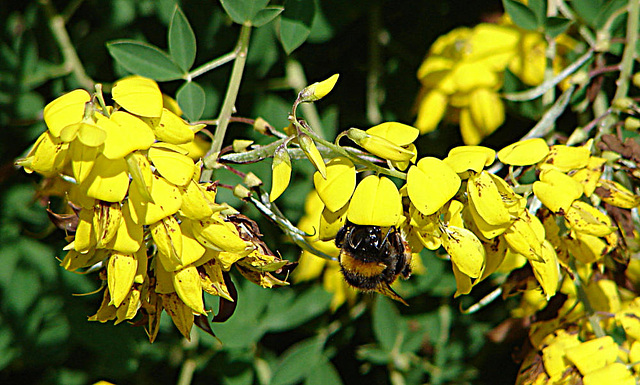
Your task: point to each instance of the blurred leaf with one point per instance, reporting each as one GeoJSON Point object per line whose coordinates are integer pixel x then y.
{"type": "Point", "coordinates": [323, 374]}
{"type": "Point", "coordinates": [266, 15]}
{"type": "Point", "coordinates": [607, 10]}
{"type": "Point", "coordinates": [243, 378]}
{"type": "Point", "coordinates": [295, 23]}
{"type": "Point", "coordinates": [321, 29]}
{"type": "Point", "coordinates": [386, 323]}
{"type": "Point", "coordinates": [306, 306]}
{"type": "Point", "coordinates": [243, 10]}
{"type": "Point", "coordinates": [191, 99]}
{"type": "Point", "coordinates": [539, 8]}
{"type": "Point", "coordinates": [182, 40]}
{"type": "Point", "coordinates": [374, 355]}
{"type": "Point", "coordinates": [7, 352]}
{"type": "Point", "coordinates": [555, 26]}
{"type": "Point", "coordinates": [298, 362]}
{"type": "Point", "coordinates": [263, 50]}
{"type": "Point", "coordinates": [23, 290]}
{"type": "Point", "coordinates": [521, 15]}
{"type": "Point", "coordinates": [145, 60]}
{"type": "Point", "coordinates": [245, 327]}
{"type": "Point", "coordinates": [587, 9]}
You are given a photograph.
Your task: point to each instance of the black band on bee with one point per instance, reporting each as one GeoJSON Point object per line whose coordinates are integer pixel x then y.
{"type": "Point", "coordinates": [372, 257]}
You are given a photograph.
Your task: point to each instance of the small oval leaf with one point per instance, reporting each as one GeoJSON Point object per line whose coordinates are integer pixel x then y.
{"type": "Point", "coordinates": [145, 60]}
{"type": "Point", "coordinates": [182, 40]}
{"type": "Point", "coordinates": [191, 99]}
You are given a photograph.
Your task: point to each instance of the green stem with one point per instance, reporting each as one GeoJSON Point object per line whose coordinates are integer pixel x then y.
{"type": "Point", "coordinates": [370, 165]}
{"type": "Point", "coordinates": [374, 116]}
{"type": "Point", "coordinates": [241, 49]}
{"type": "Point", "coordinates": [297, 80]}
{"type": "Point", "coordinates": [592, 317]}
{"type": "Point", "coordinates": [215, 63]}
{"type": "Point", "coordinates": [629, 51]}
{"type": "Point", "coordinates": [71, 60]}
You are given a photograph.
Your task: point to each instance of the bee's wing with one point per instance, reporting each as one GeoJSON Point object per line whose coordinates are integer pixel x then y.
{"type": "Point", "coordinates": [385, 289]}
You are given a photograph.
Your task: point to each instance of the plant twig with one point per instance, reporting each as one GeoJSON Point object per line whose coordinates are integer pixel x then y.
{"type": "Point", "coordinates": [629, 53]}
{"type": "Point", "coordinates": [242, 49]}
{"type": "Point", "coordinates": [70, 57]}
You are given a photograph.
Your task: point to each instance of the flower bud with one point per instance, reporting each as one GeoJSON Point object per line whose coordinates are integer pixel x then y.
{"type": "Point", "coordinates": [311, 151]}
{"type": "Point", "coordinates": [379, 146]}
{"type": "Point", "coordinates": [317, 90]}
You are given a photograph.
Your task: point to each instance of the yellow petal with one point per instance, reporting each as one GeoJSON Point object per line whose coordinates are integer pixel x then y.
{"type": "Point", "coordinates": [463, 281]}
{"type": "Point", "coordinates": [547, 270]}
{"type": "Point", "coordinates": [524, 153]}
{"type": "Point", "coordinates": [47, 156]}
{"type": "Point", "coordinates": [121, 270]}
{"type": "Point", "coordinates": [125, 134]}
{"type": "Point", "coordinates": [557, 190]}
{"type": "Point", "coordinates": [167, 235]}
{"type": "Point", "coordinates": [166, 201]}
{"type": "Point", "coordinates": [311, 151]}
{"type": "Point", "coordinates": [336, 189]}
{"type": "Point", "coordinates": [318, 90]}
{"type": "Point", "coordinates": [584, 218]}
{"type": "Point", "coordinates": [431, 110]}
{"type": "Point", "coordinates": [218, 236]}
{"type": "Point", "coordinates": [588, 177]}
{"type": "Point", "coordinates": [192, 250]}
{"type": "Point", "coordinates": [331, 222]}
{"type": "Point", "coordinates": [593, 354]}
{"type": "Point", "coordinates": [487, 110]}
{"type": "Point", "coordinates": [188, 287]}
{"type": "Point", "coordinates": [108, 180]}
{"type": "Point", "coordinates": [616, 373]}
{"type": "Point", "coordinates": [422, 178]}
{"type": "Point", "coordinates": [396, 133]}
{"type": "Point", "coordinates": [616, 194]}
{"type": "Point", "coordinates": [465, 158]}
{"type": "Point", "coordinates": [379, 146]}
{"type": "Point", "coordinates": [172, 129]}
{"type": "Point", "coordinates": [180, 313]}
{"type": "Point", "coordinates": [91, 135]}
{"type": "Point", "coordinates": [106, 222]}
{"type": "Point", "coordinates": [128, 238]}
{"type": "Point", "coordinates": [465, 249]}
{"type": "Point", "coordinates": [138, 95]}
{"type": "Point", "coordinates": [564, 158]}
{"type": "Point", "coordinates": [487, 200]}
{"type": "Point", "coordinates": [376, 201]}
{"type": "Point", "coordinates": [196, 203]}
{"type": "Point", "coordinates": [173, 166]}
{"type": "Point", "coordinates": [65, 110]}
{"type": "Point", "coordinates": [280, 172]}
{"type": "Point", "coordinates": [82, 160]}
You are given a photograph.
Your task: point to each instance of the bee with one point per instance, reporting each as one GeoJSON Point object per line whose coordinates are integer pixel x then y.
{"type": "Point", "coordinates": [372, 257]}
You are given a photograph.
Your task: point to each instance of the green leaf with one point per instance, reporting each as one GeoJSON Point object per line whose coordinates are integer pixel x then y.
{"type": "Point", "coordinates": [287, 315]}
{"type": "Point", "coordinates": [555, 26]}
{"type": "Point", "coordinates": [182, 40]}
{"type": "Point", "coordinates": [386, 323]}
{"type": "Point", "coordinates": [607, 10]}
{"type": "Point", "coordinates": [521, 15]}
{"type": "Point", "coordinates": [588, 10]}
{"type": "Point", "coordinates": [298, 361]}
{"type": "Point", "coordinates": [325, 373]}
{"type": "Point", "coordinates": [374, 355]}
{"type": "Point", "coordinates": [145, 60]}
{"type": "Point", "coordinates": [241, 11]}
{"type": "Point", "coordinates": [191, 100]}
{"type": "Point", "coordinates": [539, 8]}
{"type": "Point", "coordinates": [266, 15]}
{"type": "Point", "coordinates": [295, 23]}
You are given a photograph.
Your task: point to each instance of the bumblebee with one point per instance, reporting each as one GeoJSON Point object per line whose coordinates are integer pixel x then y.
{"type": "Point", "coordinates": [372, 257]}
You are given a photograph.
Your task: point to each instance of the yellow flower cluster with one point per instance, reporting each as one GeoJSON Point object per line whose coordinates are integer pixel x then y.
{"type": "Point", "coordinates": [567, 349]}
{"type": "Point", "coordinates": [463, 72]}
{"type": "Point", "coordinates": [140, 213]}
{"type": "Point", "coordinates": [476, 216]}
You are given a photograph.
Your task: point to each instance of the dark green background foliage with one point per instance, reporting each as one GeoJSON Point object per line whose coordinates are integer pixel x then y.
{"type": "Point", "coordinates": [280, 336]}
